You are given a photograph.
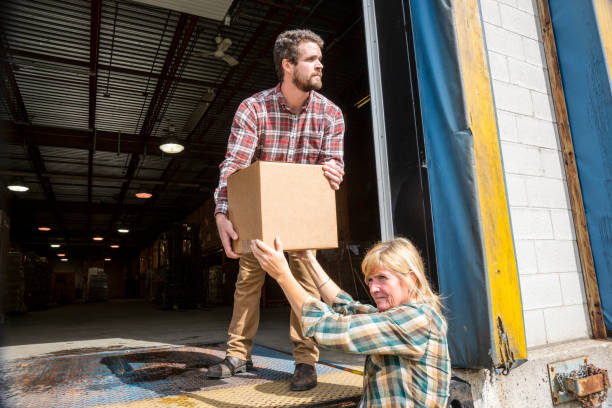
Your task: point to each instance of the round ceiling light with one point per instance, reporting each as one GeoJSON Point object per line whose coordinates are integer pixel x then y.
{"type": "Point", "coordinates": [107, 259]}
{"type": "Point", "coordinates": [45, 229]}
{"type": "Point", "coordinates": [98, 238]}
{"type": "Point", "coordinates": [114, 246]}
{"type": "Point", "coordinates": [64, 259]}
{"type": "Point", "coordinates": [61, 255]}
{"type": "Point", "coordinates": [170, 143]}
{"type": "Point", "coordinates": [171, 146]}
{"type": "Point", "coordinates": [123, 230]}
{"type": "Point", "coordinates": [144, 195]}
{"type": "Point", "coordinates": [18, 187]}
{"type": "Point", "coordinates": [55, 245]}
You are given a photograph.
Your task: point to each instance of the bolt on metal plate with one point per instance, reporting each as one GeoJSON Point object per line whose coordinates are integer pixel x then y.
{"type": "Point", "coordinates": [556, 375]}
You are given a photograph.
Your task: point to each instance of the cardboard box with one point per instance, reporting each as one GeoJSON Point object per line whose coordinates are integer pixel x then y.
{"type": "Point", "coordinates": [292, 201]}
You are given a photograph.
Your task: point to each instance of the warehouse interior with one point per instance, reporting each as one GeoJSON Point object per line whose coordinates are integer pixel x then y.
{"type": "Point", "coordinates": [108, 241]}
{"type": "Point", "coordinates": [90, 91]}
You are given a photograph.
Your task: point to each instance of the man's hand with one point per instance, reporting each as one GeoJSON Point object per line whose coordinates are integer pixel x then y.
{"type": "Point", "coordinates": [227, 234]}
{"type": "Point", "coordinates": [334, 173]}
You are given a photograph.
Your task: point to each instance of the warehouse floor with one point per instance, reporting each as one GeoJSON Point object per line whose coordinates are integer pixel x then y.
{"type": "Point", "coordinates": [76, 343]}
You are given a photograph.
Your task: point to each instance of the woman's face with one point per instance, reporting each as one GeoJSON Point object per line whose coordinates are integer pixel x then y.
{"type": "Point", "coordinates": [387, 289]}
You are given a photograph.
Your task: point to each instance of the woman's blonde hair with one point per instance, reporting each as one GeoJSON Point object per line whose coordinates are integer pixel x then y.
{"type": "Point", "coordinates": [403, 258]}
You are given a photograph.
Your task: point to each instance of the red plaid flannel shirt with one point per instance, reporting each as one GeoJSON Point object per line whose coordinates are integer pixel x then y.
{"type": "Point", "coordinates": [265, 129]}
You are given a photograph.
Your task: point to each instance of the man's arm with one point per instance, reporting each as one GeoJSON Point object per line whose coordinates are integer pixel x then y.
{"type": "Point", "coordinates": [332, 149]}
{"type": "Point", "coordinates": [240, 149]}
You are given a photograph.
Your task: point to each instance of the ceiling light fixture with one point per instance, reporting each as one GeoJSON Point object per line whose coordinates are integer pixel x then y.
{"type": "Point", "coordinates": [114, 246]}
{"type": "Point", "coordinates": [170, 143]}
{"type": "Point", "coordinates": [107, 259]}
{"type": "Point", "coordinates": [61, 255]}
{"type": "Point", "coordinates": [64, 259]}
{"type": "Point", "coordinates": [98, 238]}
{"type": "Point", "coordinates": [123, 230]}
{"type": "Point", "coordinates": [45, 229]}
{"type": "Point", "coordinates": [144, 195]}
{"type": "Point", "coordinates": [55, 245]}
{"type": "Point", "coordinates": [18, 186]}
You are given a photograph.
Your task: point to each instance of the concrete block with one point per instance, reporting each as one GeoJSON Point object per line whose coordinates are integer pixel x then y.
{"type": "Point", "coordinates": [534, 52]}
{"type": "Point", "coordinates": [557, 256]}
{"type": "Point", "coordinates": [552, 163]}
{"type": "Point", "coordinates": [543, 106]}
{"type": "Point", "coordinates": [512, 98]}
{"type": "Point", "coordinates": [543, 192]}
{"type": "Point", "coordinates": [519, 22]}
{"type": "Point", "coordinates": [541, 291]}
{"type": "Point", "coordinates": [503, 41]}
{"type": "Point", "coordinates": [563, 224]}
{"type": "Point", "coordinates": [534, 328]}
{"type": "Point", "coordinates": [567, 323]}
{"type": "Point", "coordinates": [526, 259]}
{"type": "Point", "coordinates": [506, 124]}
{"type": "Point", "coordinates": [490, 12]}
{"type": "Point", "coordinates": [499, 67]}
{"type": "Point", "coordinates": [517, 194]}
{"type": "Point", "coordinates": [528, 223]}
{"type": "Point", "coordinates": [537, 132]}
{"type": "Point", "coordinates": [527, 75]}
{"type": "Point", "coordinates": [527, 6]}
{"type": "Point", "coordinates": [572, 288]}
{"type": "Point", "coordinates": [522, 159]}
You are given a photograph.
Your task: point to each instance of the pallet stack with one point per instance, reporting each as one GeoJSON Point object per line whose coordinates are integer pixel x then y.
{"type": "Point", "coordinates": [14, 300]}
{"type": "Point", "coordinates": [97, 285]}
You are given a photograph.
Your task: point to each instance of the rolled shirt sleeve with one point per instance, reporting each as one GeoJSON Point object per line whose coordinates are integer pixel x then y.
{"type": "Point", "coordinates": [404, 329]}
{"type": "Point", "coordinates": [333, 142]}
{"type": "Point", "coordinates": [240, 150]}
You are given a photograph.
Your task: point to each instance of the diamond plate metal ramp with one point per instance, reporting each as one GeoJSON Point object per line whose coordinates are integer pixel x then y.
{"type": "Point", "coordinates": [166, 377]}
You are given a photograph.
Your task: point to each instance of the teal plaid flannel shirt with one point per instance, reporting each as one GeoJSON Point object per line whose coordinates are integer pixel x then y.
{"type": "Point", "coordinates": [407, 362]}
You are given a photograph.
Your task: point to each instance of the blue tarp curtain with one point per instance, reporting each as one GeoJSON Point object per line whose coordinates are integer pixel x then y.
{"type": "Point", "coordinates": [588, 95]}
{"type": "Point", "coordinates": [454, 196]}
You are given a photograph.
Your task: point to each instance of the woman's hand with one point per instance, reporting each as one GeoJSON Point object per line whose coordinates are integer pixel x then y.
{"type": "Point", "coordinates": [272, 260]}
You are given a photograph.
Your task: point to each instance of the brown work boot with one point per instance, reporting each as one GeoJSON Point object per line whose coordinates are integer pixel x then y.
{"type": "Point", "coordinates": [230, 366]}
{"type": "Point", "coordinates": [304, 377]}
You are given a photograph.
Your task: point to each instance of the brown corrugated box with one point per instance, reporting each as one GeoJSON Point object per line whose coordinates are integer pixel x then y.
{"type": "Point", "coordinates": [292, 201]}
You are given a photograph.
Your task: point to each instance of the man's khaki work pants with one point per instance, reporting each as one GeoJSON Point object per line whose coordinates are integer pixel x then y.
{"type": "Point", "coordinates": [245, 318]}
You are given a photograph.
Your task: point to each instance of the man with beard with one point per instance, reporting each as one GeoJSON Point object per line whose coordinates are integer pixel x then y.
{"type": "Point", "coordinates": [288, 123]}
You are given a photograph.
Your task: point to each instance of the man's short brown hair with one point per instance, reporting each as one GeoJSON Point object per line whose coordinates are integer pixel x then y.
{"type": "Point", "coordinates": [286, 47]}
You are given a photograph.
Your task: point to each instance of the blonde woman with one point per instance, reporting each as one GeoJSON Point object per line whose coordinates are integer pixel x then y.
{"type": "Point", "coordinates": [403, 337]}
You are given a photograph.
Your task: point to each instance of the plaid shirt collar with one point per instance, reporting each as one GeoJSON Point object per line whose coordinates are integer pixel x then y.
{"type": "Point", "coordinates": [283, 101]}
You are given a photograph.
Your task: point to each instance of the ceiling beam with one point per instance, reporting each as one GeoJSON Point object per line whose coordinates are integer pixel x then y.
{"type": "Point", "coordinates": [73, 176]}
{"type": "Point", "coordinates": [10, 90]}
{"type": "Point", "coordinates": [94, 47]}
{"type": "Point", "coordinates": [180, 40]}
{"type": "Point", "coordinates": [17, 107]}
{"type": "Point", "coordinates": [103, 67]}
{"type": "Point", "coordinates": [172, 168]}
{"type": "Point", "coordinates": [36, 206]}
{"type": "Point", "coordinates": [105, 141]}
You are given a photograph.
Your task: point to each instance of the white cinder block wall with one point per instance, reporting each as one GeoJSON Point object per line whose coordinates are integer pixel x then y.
{"type": "Point", "coordinates": [552, 288]}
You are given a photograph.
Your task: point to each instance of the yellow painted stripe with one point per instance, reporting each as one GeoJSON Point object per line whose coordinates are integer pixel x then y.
{"type": "Point", "coordinates": [504, 289]}
{"type": "Point", "coordinates": [603, 11]}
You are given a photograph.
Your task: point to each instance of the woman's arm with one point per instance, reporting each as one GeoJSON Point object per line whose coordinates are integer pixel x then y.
{"type": "Point", "coordinates": [273, 261]}
{"type": "Point", "coordinates": [327, 287]}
